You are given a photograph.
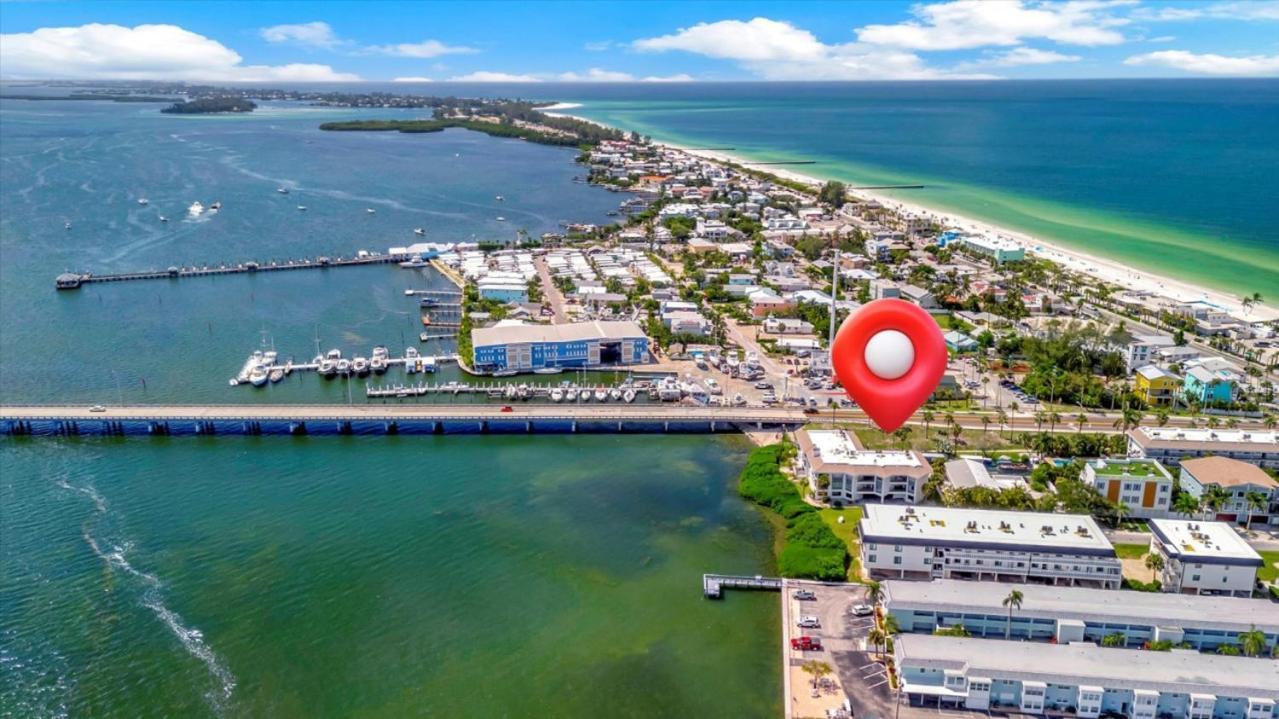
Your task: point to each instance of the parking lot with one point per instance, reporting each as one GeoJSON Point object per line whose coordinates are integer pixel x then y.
{"type": "Point", "coordinates": [859, 678]}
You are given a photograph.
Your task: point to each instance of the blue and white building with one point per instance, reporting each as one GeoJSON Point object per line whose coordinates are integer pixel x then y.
{"type": "Point", "coordinates": [1084, 680]}
{"type": "Point", "coordinates": [1077, 614]}
{"type": "Point", "coordinates": [527, 347]}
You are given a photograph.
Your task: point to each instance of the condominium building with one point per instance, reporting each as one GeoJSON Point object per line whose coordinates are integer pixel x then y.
{"type": "Point", "coordinates": [1083, 679]}
{"type": "Point", "coordinates": [1240, 481]}
{"type": "Point", "coordinates": [1155, 386]}
{"type": "Point", "coordinates": [840, 471]}
{"type": "Point", "coordinates": [1203, 557]}
{"type": "Point", "coordinates": [1078, 614]}
{"type": "Point", "coordinates": [1141, 485]}
{"type": "Point", "coordinates": [1171, 444]}
{"type": "Point", "coordinates": [947, 542]}
{"type": "Point", "coordinates": [1001, 249]}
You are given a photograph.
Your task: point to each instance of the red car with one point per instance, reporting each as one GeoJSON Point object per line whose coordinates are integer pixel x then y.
{"type": "Point", "coordinates": [806, 644]}
{"type": "Point", "coordinates": [508, 408]}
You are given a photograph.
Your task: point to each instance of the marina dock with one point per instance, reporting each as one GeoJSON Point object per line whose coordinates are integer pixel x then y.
{"type": "Point", "coordinates": [406, 419]}
{"type": "Point", "coordinates": [74, 280]}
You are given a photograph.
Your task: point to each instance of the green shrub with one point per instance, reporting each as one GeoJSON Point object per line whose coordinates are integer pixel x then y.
{"type": "Point", "coordinates": [810, 550]}
{"type": "Point", "coordinates": [1140, 586]}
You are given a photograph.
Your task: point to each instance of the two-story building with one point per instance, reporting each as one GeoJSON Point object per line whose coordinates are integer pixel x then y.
{"type": "Point", "coordinates": [1141, 485]}
{"type": "Point", "coordinates": [1241, 483]}
{"type": "Point", "coordinates": [526, 347]}
{"type": "Point", "coordinates": [1203, 557]}
{"type": "Point", "coordinates": [1156, 387]}
{"type": "Point", "coordinates": [840, 471]}
{"type": "Point", "coordinates": [986, 545]}
{"type": "Point", "coordinates": [1083, 680]}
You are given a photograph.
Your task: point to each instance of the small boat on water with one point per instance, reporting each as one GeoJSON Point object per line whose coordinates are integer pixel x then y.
{"type": "Point", "coordinates": [419, 231]}
{"type": "Point", "coordinates": [343, 366]}
{"type": "Point", "coordinates": [501, 219]}
{"type": "Point", "coordinates": [301, 208]}
{"type": "Point", "coordinates": [276, 375]}
{"type": "Point", "coordinates": [557, 395]}
{"type": "Point", "coordinates": [584, 395]}
{"type": "Point", "coordinates": [143, 201]}
{"type": "Point", "coordinates": [509, 391]}
{"type": "Point", "coordinates": [615, 394]}
{"type": "Point", "coordinates": [505, 373]}
{"type": "Point", "coordinates": [500, 198]}
{"type": "Point", "coordinates": [601, 395]}
{"type": "Point", "coordinates": [328, 367]}
{"type": "Point", "coordinates": [360, 366]}
{"type": "Point", "coordinates": [629, 395]}
{"type": "Point", "coordinates": [66, 225]}
{"type": "Point", "coordinates": [523, 392]}
{"type": "Point", "coordinates": [258, 376]}
{"type": "Point", "coordinates": [378, 365]}
{"type": "Point", "coordinates": [163, 218]}
{"type": "Point", "coordinates": [196, 209]}
{"type": "Point", "coordinates": [370, 210]}
{"type": "Point", "coordinates": [548, 370]}
{"type": "Point", "coordinates": [215, 206]}
{"type": "Point", "coordinates": [233, 382]}
{"type": "Point", "coordinates": [282, 190]}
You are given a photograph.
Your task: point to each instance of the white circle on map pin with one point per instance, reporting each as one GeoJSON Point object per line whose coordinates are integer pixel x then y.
{"type": "Point", "coordinates": [889, 354]}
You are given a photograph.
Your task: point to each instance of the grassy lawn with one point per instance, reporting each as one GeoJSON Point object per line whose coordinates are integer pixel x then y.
{"type": "Point", "coordinates": [847, 532]}
{"type": "Point", "coordinates": [1131, 551]}
{"type": "Point", "coordinates": [970, 439]}
{"type": "Point", "coordinates": [1268, 573]}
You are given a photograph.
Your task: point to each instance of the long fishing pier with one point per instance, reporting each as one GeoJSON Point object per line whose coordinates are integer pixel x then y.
{"type": "Point", "coordinates": [713, 585]}
{"type": "Point", "coordinates": [74, 280]}
{"type": "Point", "coordinates": [293, 420]}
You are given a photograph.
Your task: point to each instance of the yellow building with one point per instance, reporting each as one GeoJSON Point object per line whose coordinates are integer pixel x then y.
{"type": "Point", "coordinates": [1155, 386]}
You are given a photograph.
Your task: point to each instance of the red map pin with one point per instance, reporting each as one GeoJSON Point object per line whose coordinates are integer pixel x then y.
{"type": "Point", "coordinates": [889, 355]}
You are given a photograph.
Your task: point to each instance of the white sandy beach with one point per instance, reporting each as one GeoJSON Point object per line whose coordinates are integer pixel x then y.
{"type": "Point", "coordinates": [1107, 270]}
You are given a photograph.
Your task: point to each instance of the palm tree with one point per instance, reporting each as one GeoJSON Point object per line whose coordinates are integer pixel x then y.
{"type": "Point", "coordinates": [874, 593]}
{"type": "Point", "coordinates": [1255, 501]}
{"type": "Point", "coordinates": [1154, 562]}
{"type": "Point", "coordinates": [928, 416]}
{"type": "Point", "coordinates": [1080, 420]}
{"type": "Point", "coordinates": [985, 424]}
{"type": "Point", "coordinates": [902, 434]}
{"type": "Point", "coordinates": [1161, 417]}
{"type": "Point", "coordinates": [1186, 503]}
{"type": "Point", "coordinates": [1039, 420]}
{"type": "Point", "coordinates": [877, 638]}
{"type": "Point", "coordinates": [1012, 409]}
{"type": "Point", "coordinates": [1012, 601]}
{"type": "Point", "coordinates": [1053, 419]}
{"type": "Point", "coordinates": [1002, 416]}
{"type": "Point", "coordinates": [1253, 642]}
{"type": "Point", "coordinates": [817, 669]}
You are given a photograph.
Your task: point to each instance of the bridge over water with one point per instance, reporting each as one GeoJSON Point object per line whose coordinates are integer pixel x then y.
{"type": "Point", "coordinates": [251, 419]}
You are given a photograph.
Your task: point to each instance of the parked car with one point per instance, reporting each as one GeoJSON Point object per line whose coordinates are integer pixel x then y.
{"type": "Point", "coordinates": [97, 408]}
{"type": "Point", "coordinates": [806, 644]}
{"type": "Point", "coordinates": [808, 622]}
{"type": "Point", "coordinates": [863, 610]}
{"type": "Point", "coordinates": [508, 408]}
{"type": "Point", "coordinates": [804, 595]}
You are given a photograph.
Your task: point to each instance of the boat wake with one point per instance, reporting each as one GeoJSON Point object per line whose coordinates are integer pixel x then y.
{"type": "Point", "coordinates": [116, 557]}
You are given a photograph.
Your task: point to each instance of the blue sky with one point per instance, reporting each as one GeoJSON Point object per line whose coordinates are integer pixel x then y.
{"type": "Point", "coordinates": [634, 41]}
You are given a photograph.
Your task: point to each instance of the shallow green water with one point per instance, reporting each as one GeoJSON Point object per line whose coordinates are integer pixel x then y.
{"type": "Point", "coordinates": [434, 576]}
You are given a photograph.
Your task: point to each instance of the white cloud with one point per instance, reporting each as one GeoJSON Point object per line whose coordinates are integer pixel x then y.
{"type": "Point", "coordinates": [1163, 38]}
{"type": "Point", "coordinates": [144, 52]}
{"type": "Point", "coordinates": [681, 77]}
{"type": "Point", "coordinates": [1250, 10]}
{"type": "Point", "coordinates": [1210, 64]}
{"type": "Point", "coordinates": [487, 76]}
{"type": "Point", "coordinates": [755, 40]}
{"type": "Point", "coordinates": [776, 50]}
{"type": "Point", "coordinates": [966, 24]}
{"type": "Point", "coordinates": [595, 74]}
{"type": "Point", "coordinates": [311, 34]}
{"type": "Point", "coordinates": [599, 46]}
{"type": "Point", "coordinates": [424, 49]}
{"type": "Point", "coordinates": [1019, 56]}
{"type": "Point", "coordinates": [412, 79]}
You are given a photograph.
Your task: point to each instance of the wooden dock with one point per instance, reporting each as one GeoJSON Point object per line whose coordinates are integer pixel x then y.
{"type": "Point", "coordinates": [713, 585]}
{"type": "Point", "coordinates": [74, 280]}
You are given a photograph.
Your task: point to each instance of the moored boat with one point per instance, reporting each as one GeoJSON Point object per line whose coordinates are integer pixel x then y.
{"type": "Point", "coordinates": [258, 376]}
{"type": "Point", "coordinates": [360, 366]}
{"type": "Point", "coordinates": [557, 394]}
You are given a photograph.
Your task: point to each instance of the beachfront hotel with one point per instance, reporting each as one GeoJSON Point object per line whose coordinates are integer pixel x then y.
{"type": "Point", "coordinates": [1239, 481]}
{"type": "Point", "coordinates": [989, 545]}
{"type": "Point", "coordinates": [840, 471]}
{"type": "Point", "coordinates": [1141, 485]}
{"type": "Point", "coordinates": [1000, 249]}
{"type": "Point", "coordinates": [1084, 679]}
{"type": "Point", "coordinates": [1079, 614]}
{"type": "Point", "coordinates": [526, 347]}
{"type": "Point", "coordinates": [1203, 557]}
{"type": "Point", "coordinates": [1170, 445]}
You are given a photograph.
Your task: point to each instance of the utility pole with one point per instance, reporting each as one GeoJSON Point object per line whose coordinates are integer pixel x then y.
{"type": "Point", "coordinates": [834, 293]}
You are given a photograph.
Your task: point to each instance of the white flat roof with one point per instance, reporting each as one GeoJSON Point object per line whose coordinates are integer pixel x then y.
{"type": "Point", "coordinates": [1203, 541]}
{"type": "Point", "coordinates": [573, 332]}
{"type": "Point", "coordinates": [834, 446]}
{"type": "Point", "coordinates": [1178, 434]}
{"type": "Point", "coordinates": [1085, 663]}
{"type": "Point", "coordinates": [985, 527]}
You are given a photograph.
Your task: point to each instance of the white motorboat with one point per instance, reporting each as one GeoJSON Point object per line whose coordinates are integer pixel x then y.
{"type": "Point", "coordinates": [584, 395]}
{"type": "Point", "coordinates": [282, 190]}
{"type": "Point", "coordinates": [344, 366]}
{"type": "Point", "coordinates": [522, 392]}
{"type": "Point", "coordinates": [557, 395]}
{"type": "Point", "coordinates": [505, 373]}
{"type": "Point", "coordinates": [328, 367]}
{"type": "Point", "coordinates": [501, 219]}
{"type": "Point", "coordinates": [419, 231]}
{"type": "Point", "coordinates": [276, 375]}
{"type": "Point", "coordinates": [378, 364]}
{"type": "Point", "coordinates": [509, 391]}
{"type": "Point", "coordinates": [258, 376]}
{"type": "Point", "coordinates": [500, 198]}
{"type": "Point", "coordinates": [370, 210]}
{"type": "Point", "coordinates": [217, 205]}
{"type": "Point", "coordinates": [629, 395]}
{"type": "Point", "coordinates": [548, 370]}
{"type": "Point", "coordinates": [615, 394]}
{"type": "Point", "coordinates": [163, 218]}
{"type": "Point", "coordinates": [196, 209]}
{"type": "Point", "coordinates": [360, 366]}
{"type": "Point", "coordinates": [143, 201]}
{"type": "Point", "coordinates": [301, 208]}
{"type": "Point", "coordinates": [411, 353]}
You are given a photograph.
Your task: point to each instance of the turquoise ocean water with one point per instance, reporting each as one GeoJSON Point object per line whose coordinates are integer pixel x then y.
{"type": "Point", "coordinates": [1172, 176]}
{"type": "Point", "coordinates": [451, 576]}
